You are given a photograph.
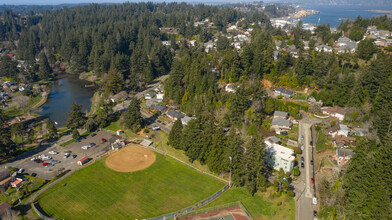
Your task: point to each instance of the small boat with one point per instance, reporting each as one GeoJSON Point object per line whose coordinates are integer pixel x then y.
{"type": "Point", "coordinates": [55, 122]}
{"type": "Point", "coordinates": [88, 86]}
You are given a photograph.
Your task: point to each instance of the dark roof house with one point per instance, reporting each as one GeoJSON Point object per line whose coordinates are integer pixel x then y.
{"type": "Point", "coordinates": [284, 92]}
{"type": "Point", "coordinates": [174, 115]}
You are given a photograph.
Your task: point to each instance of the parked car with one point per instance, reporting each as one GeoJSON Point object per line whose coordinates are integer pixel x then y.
{"type": "Point", "coordinates": [33, 158]}
{"type": "Point", "coordinates": [38, 161]}
{"type": "Point", "coordinates": [284, 133]}
{"type": "Point", "coordinates": [158, 121]}
{"type": "Point", "coordinates": [76, 140]}
{"type": "Point", "coordinates": [302, 159]}
{"type": "Point", "coordinates": [91, 144]}
{"type": "Point", "coordinates": [302, 165]}
{"type": "Point", "coordinates": [155, 128]}
{"type": "Point", "coordinates": [21, 170]}
{"type": "Point", "coordinates": [311, 162]}
{"type": "Point", "coordinates": [46, 158]}
{"type": "Point", "coordinates": [314, 201]}
{"type": "Point", "coordinates": [302, 147]}
{"type": "Point", "coordinates": [311, 143]}
{"type": "Point", "coordinates": [49, 165]}
{"type": "Point", "coordinates": [53, 152]}
{"type": "Point", "coordinates": [313, 180]}
{"type": "Point", "coordinates": [54, 161]}
{"type": "Point", "coordinates": [103, 140]}
{"type": "Point", "coordinates": [66, 155]}
{"type": "Point", "coordinates": [45, 164]}
{"type": "Point", "coordinates": [302, 137]}
{"type": "Point", "coordinates": [93, 134]}
{"type": "Point", "coordinates": [85, 147]}
{"type": "Point", "coordinates": [74, 156]}
{"type": "Point", "coordinates": [33, 175]}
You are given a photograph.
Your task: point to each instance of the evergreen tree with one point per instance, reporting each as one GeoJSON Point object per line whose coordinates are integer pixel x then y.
{"type": "Point", "coordinates": [44, 67]}
{"type": "Point", "coordinates": [75, 134]}
{"type": "Point", "coordinates": [235, 151]}
{"type": "Point", "coordinates": [133, 117]}
{"type": "Point", "coordinates": [52, 130]}
{"type": "Point", "coordinates": [175, 135]}
{"type": "Point", "coordinates": [76, 118]}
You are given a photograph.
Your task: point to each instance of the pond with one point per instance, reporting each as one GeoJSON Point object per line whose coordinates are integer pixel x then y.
{"type": "Point", "coordinates": [66, 90]}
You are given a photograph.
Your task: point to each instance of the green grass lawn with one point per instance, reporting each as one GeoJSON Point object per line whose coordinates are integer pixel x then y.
{"type": "Point", "coordinates": [323, 143]}
{"type": "Point", "coordinates": [300, 96]}
{"type": "Point", "coordinates": [96, 192]}
{"type": "Point", "coordinates": [261, 205]}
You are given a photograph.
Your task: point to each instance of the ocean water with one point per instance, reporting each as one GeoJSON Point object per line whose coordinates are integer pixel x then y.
{"type": "Point", "coordinates": [335, 14]}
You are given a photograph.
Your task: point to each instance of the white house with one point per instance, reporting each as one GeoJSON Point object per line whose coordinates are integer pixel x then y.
{"type": "Point", "coordinates": [149, 95]}
{"type": "Point", "coordinates": [186, 119]}
{"type": "Point", "coordinates": [334, 112]}
{"type": "Point", "coordinates": [230, 88]}
{"type": "Point", "coordinates": [160, 96]}
{"type": "Point", "coordinates": [278, 157]}
{"type": "Point", "coordinates": [339, 129]}
{"type": "Point", "coordinates": [324, 48]}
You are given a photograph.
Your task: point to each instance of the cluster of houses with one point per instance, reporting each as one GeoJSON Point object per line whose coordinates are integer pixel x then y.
{"type": "Point", "coordinates": [382, 37]}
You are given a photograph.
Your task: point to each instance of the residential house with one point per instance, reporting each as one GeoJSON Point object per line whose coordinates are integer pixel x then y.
{"type": "Point", "coordinates": [4, 96]}
{"type": "Point", "coordinates": [324, 48]}
{"type": "Point", "coordinates": [334, 112]}
{"type": "Point", "coordinates": [175, 115]}
{"type": "Point", "coordinates": [149, 95]}
{"type": "Point", "coordinates": [209, 46]}
{"type": "Point", "coordinates": [166, 43]}
{"type": "Point", "coordinates": [278, 44]}
{"type": "Point", "coordinates": [160, 96]}
{"type": "Point", "coordinates": [160, 88]}
{"type": "Point", "coordinates": [294, 53]}
{"type": "Point", "coordinates": [306, 45]}
{"type": "Point", "coordinates": [372, 30]}
{"type": "Point", "coordinates": [230, 88]}
{"type": "Point", "coordinates": [279, 114]}
{"type": "Point", "coordinates": [160, 108]}
{"type": "Point", "coordinates": [343, 155]}
{"type": "Point", "coordinates": [280, 124]}
{"type": "Point", "coordinates": [339, 129]}
{"type": "Point", "coordinates": [192, 43]}
{"type": "Point", "coordinates": [284, 92]}
{"type": "Point", "coordinates": [342, 141]}
{"type": "Point", "coordinates": [186, 119]}
{"type": "Point", "coordinates": [278, 157]}
{"type": "Point", "coordinates": [276, 55]}
{"type": "Point", "coordinates": [269, 141]}
{"type": "Point", "coordinates": [119, 96]}
{"type": "Point", "coordinates": [360, 132]}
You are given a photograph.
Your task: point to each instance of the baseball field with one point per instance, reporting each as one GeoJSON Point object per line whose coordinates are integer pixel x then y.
{"type": "Point", "coordinates": [100, 192]}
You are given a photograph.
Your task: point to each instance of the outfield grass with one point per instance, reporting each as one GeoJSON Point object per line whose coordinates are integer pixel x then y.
{"type": "Point", "coordinates": [261, 205]}
{"type": "Point", "coordinates": [96, 192]}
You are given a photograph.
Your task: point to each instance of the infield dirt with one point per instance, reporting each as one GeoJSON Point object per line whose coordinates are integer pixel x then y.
{"type": "Point", "coordinates": [130, 158]}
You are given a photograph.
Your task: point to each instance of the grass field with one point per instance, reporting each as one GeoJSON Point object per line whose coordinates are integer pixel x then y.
{"type": "Point", "coordinates": [96, 192]}
{"type": "Point", "coordinates": [261, 205]}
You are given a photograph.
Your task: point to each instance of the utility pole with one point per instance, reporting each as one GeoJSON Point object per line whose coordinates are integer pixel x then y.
{"type": "Point", "coordinates": [17, 191]}
{"type": "Point", "coordinates": [230, 171]}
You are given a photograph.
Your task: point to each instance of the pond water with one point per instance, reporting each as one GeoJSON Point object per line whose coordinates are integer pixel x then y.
{"type": "Point", "coordinates": [66, 90]}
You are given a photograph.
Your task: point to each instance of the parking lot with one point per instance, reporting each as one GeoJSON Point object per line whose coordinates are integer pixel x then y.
{"type": "Point", "coordinates": [69, 163]}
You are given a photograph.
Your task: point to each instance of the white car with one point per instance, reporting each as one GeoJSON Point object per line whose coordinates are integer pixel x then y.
{"type": "Point", "coordinates": [155, 127]}
{"type": "Point", "coordinates": [66, 155]}
{"type": "Point", "coordinates": [53, 152]}
{"type": "Point", "coordinates": [314, 201]}
{"type": "Point", "coordinates": [85, 147]}
{"type": "Point", "coordinates": [46, 158]}
{"type": "Point", "coordinates": [33, 158]}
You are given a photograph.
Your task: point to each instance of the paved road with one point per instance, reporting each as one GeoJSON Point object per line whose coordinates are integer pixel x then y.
{"type": "Point", "coordinates": [304, 186]}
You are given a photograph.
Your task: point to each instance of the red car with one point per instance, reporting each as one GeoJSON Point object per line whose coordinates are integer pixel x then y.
{"type": "Point", "coordinates": [45, 164]}
{"type": "Point", "coordinates": [103, 140]}
{"type": "Point", "coordinates": [38, 161]}
{"type": "Point", "coordinates": [313, 180]}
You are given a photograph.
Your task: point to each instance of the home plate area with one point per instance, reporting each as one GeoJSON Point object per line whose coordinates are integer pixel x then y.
{"type": "Point", "coordinates": [130, 158]}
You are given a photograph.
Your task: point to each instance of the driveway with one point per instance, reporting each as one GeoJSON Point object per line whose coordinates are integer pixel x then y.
{"type": "Point", "coordinates": [65, 163]}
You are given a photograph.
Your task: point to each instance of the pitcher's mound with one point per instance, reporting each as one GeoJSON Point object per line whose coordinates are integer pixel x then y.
{"type": "Point", "coordinates": [130, 158]}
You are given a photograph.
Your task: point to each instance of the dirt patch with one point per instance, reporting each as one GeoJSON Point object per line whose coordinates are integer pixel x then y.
{"type": "Point", "coordinates": [130, 158]}
{"type": "Point", "coordinates": [229, 213]}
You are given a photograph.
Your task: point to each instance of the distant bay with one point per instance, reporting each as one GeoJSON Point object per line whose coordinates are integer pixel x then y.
{"type": "Point", "coordinates": [335, 14]}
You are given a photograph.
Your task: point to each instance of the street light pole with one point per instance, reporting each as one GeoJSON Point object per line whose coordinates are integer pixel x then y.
{"type": "Point", "coordinates": [230, 171]}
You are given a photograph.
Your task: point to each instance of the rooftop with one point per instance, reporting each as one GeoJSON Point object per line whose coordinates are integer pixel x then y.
{"type": "Point", "coordinates": [281, 114]}
{"type": "Point", "coordinates": [175, 114]}
{"type": "Point", "coordinates": [281, 122]}
{"type": "Point", "coordinates": [283, 152]}
{"type": "Point", "coordinates": [285, 91]}
{"type": "Point", "coordinates": [334, 110]}
{"type": "Point", "coordinates": [344, 152]}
